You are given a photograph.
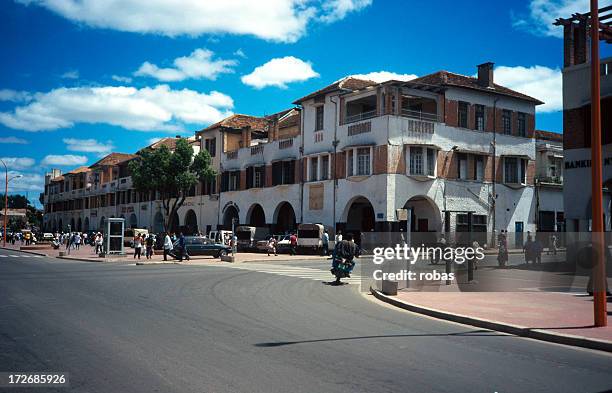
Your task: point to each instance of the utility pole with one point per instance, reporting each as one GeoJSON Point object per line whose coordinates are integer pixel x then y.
{"type": "Point", "coordinates": [599, 268]}
{"type": "Point", "coordinates": [5, 201]}
{"type": "Point", "coordinates": [494, 196]}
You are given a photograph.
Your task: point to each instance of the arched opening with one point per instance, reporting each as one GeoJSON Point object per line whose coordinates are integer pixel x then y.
{"type": "Point", "coordinates": [133, 223]}
{"type": "Point", "coordinates": [102, 224]}
{"type": "Point", "coordinates": [79, 225]}
{"type": "Point", "coordinates": [360, 218]}
{"type": "Point", "coordinates": [191, 223]}
{"type": "Point", "coordinates": [424, 214]}
{"type": "Point", "coordinates": [256, 216]}
{"type": "Point", "coordinates": [284, 218]}
{"type": "Point", "coordinates": [158, 222]}
{"type": "Point", "coordinates": [86, 224]}
{"type": "Point", "coordinates": [230, 213]}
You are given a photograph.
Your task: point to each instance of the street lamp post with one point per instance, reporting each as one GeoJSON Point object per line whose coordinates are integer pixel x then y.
{"type": "Point", "coordinates": [6, 182]}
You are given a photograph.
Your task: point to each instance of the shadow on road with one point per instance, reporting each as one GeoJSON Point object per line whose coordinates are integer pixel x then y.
{"type": "Point", "coordinates": [472, 333]}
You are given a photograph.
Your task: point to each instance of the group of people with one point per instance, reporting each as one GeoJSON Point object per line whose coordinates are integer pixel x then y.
{"type": "Point", "coordinates": [146, 241]}
{"type": "Point", "coordinates": [25, 238]}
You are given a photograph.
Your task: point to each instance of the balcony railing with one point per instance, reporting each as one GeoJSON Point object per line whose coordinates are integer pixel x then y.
{"type": "Point", "coordinates": [258, 149]}
{"type": "Point", "coordinates": [285, 143]}
{"type": "Point", "coordinates": [419, 115]}
{"type": "Point", "coordinates": [231, 155]}
{"type": "Point", "coordinates": [360, 116]}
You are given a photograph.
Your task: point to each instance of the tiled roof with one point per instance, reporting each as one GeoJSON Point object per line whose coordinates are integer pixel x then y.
{"type": "Point", "coordinates": [238, 121]}
{"type": "Point", "coordinates": [445, 78]}
{"type": "Point", "coordinates": [80, 169]}
{"type": "Point", "coordinates": [348, 83]}
{"type": "Point", "coordinates": [289, 119]}
{"type": "Point", "coordinates": [548, 136]}
{"type": "Point", "coordinates": [114, 159]}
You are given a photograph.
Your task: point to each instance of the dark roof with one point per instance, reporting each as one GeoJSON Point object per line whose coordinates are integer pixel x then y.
{"type": "Point", "coordinates": [348, 83]}
{"type": "Point", "coordinates": [289, 119]}
{"type": "Point", "coordinates": [445, 78]}
{"type": "Point", "coordinates": [239, 121]}
{"type": "Point", "coordinates": [114, 159]}
{"type": "Point", "coordinates": [548, 136]}
{"type": "Point", "coordinates": [80, 169]}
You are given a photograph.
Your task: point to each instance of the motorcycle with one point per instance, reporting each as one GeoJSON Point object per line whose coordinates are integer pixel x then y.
{"type": "Point", "coordinates": [55, 244]}
{"type": "Point", "coordinates": [341, 268]}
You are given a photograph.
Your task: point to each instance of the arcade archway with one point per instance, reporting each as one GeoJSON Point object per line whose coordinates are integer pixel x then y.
{"type": "Point", "coordinates": [256, 216]}
{"type": "Point", "coordinates": [231, 213]}
{"type": "Point", "coordinates": [191, 222]}
{"type": "Point", "coordinates": [284, 218]}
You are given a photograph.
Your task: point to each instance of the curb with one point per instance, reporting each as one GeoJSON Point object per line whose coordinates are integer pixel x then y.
{"type": "Point", "coordinates": [521, 331]}
{"type": "Point", "coordinates": [25, 251]}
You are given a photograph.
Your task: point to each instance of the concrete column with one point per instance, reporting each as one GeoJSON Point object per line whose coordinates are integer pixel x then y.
{"type": "Point", "coordinates": [371, 159]}
{"type": "Point", "coordinates": [354, 150]}
{"type": "Point", "coordinates": [319, 158]}
{"type": "Point", "coordinates": [308, 169]}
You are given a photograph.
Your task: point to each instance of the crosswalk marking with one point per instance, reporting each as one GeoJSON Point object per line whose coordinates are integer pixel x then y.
{"type": "Point", "coordinates": [296, 272]}
{"type": "Point", "coordinates": [20, 256]}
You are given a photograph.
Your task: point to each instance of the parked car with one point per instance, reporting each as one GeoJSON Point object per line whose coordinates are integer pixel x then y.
{"type": "Point", "coordinates": [47, 237]}
{"type": "Point", "coordinates": [197, 245]}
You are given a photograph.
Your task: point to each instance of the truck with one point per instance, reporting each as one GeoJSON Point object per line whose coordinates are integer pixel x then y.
{"type": "Point", "coordinates": [248, 236]}
{"type": "Point", "coordinates": [309, 237]}
{"type": "Point", "coordinates": [220, 237]}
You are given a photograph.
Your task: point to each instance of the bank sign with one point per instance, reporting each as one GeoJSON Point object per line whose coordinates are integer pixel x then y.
{"type": "Point", "coordinates": [585, 163]}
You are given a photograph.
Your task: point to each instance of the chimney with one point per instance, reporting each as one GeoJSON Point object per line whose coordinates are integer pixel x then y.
{"type": "Point", "coordinates": [485, 74]}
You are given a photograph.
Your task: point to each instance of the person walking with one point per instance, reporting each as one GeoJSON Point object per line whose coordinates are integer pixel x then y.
{"type": "Point", "coordinates": [271, 246]}
{"type": "Point", "coordinates": [325, 243]}
{"type": "Point", "coordinates": [528, 249]}
{"type": "Point", "coordinates": [167, 246]}
{"type": "Point", "coordinates": [99, 241]}
{"type": "Point", "coordinates": [293, 244]}
{"type": "Point", "coordinates": [181, 247]}
{"type": "Point", "coordinates": [149, 243]}
{"type": "Point", "coordinates": [502, 246]}
{"type": "Point", "coordinates": [77, 240]}
{"type": "Point", "coordinates": [537, 249]}
{"type": "Point", "coordinates": [137, 246]}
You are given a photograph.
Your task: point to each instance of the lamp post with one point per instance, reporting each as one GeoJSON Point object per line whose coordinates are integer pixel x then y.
{"type": "Point", "coordinates": [6, 182]}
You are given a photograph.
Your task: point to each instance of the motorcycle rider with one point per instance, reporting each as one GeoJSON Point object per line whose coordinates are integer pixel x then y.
{"type": "Point", "coordinates": [344, 253]}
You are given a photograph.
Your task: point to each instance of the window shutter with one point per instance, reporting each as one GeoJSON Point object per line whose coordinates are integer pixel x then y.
{"type": "Point", "coordinates": [277, 173]}
{"type": "Point", "coordinates": [249, 177]}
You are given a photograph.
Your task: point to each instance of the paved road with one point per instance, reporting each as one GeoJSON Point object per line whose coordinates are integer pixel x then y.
{"type": "Point", "coordinates": [171, 328]}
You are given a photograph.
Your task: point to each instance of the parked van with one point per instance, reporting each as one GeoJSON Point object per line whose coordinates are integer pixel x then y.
{"type": "Point", "coordinates": [248, 236]}
{"type": "Point", "coordinates": [309, 236]}
{"type": "Point", "coordinates": [220, 237]}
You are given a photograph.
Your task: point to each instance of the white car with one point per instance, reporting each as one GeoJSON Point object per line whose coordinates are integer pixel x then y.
{"type": "Point", "coordinates": [48, 236]}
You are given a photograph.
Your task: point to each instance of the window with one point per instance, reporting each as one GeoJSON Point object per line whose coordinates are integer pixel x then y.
{"type": "Point", "coordinates": [416, 160]}
{"type": "Point", "coordinates": [283, 172]}
{"type": "Point", "coordinates": [479, 168]}
{"type": "Point", "coordinates": [522, 126]}
{"type": "Point", "coordinates": [363, 161]}
{"type": "Point", "coordinates": [515, 170]}
{"type": "Point", "coordinates": [234, 181]}
{"type": "Point", "coordinates": [479, 123]}
{"type": "Point", "coordinates": [259, 176]}
{"type": "Point", "coordinates": [319, 118]}
{"type": "Point", "coordinates": [507, 121]}
{"type": "Point", "coordinates": [211, 146]}
{"type": "Point", "coordinates": [431, 162]}
{"type": "Point", "coordinates": [463, 114]}
{"type": "Point", "coordinates": [325, 167]}
{"type": "Point", "coordinates": [314, 163]}
{"type": "Point", "coordinates": [462, 166]}
{"type": "Point", "coordinates": [349, 163]}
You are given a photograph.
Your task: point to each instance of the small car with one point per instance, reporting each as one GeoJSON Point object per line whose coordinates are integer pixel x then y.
{"type": "Point", "coordinates": [47, 236]}
{"type": "Point", "coordinates": [197, 245]}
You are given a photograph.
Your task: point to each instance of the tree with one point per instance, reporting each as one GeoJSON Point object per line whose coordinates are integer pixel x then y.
{"type": "Point", "coordinates": [171, 174]}
{"type": "Point", "coordinates": [16, 201]}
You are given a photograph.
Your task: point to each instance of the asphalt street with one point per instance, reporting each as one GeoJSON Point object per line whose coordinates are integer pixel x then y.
{"type": "Point", "coordinates": [177, 328]}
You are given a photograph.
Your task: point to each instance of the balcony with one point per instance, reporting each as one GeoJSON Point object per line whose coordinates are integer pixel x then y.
{"type": "Point", "coordinates": [361, 116]}
{"type": "Point", "coordinates": [261, 153]}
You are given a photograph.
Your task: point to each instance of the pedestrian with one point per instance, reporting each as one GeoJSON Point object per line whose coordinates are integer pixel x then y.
{"type": "Point", "coordinates": [149, 244]}
{"type": "Point", "coordinates": [338, 237]}
{"type": "Point", "coordinates": [537, 249]}
{"type": "Point", "coordinates": [325, 243]}
{"type": "Point", "coordinates": [502, 246]}
{"type": "Point", "coordinates": [99, 242]}
{"type": "Point", "coordinates": [271, 246]}
{"type": "Point", "coordinates": [77, 240]}
{"type": "Point", "coordinates": [552, 245]}
{"type": "Point", "coordinates": [293, 244]}
{"type": "Point", "coordinates": [528, 249]}
{"type": "Point", "coordinates": [137, 246]}
{"type": "Point", "coordinates": [167, 246]}
{"type": "Point", "coordinates": [181, 247]}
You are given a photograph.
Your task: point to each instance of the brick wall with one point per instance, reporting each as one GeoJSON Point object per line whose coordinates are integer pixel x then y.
{"type": "Point", "coordinates": [340, 165]}
{"type": "Point", "coordinates": [379, 159]}
{"type": "Point", "coordinates": [489, 119]}
{"type": "Point", "coordinates": [451, 113]}
{"type": "Point", "coordinates": [298, 171]}
{"type": "Point", "coordinates": [575, 132]}
{"type": "Point", "coordinates": [243, 179]}
{"type": "Point", "coordinates": [471, 117]}
{"type": "Point", "coordinates": [488, 171]}
{"type": "Point", "coordinates": [304, 169]}
{"type": "Point", "coordinates": [268, 176]}
{"type": "Point", "coordinates": [531, 169]}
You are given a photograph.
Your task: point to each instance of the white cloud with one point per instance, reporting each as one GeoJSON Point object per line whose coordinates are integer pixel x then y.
{"type": "Point", "coordinates": [63, 160]}
{"type": "Point", "coordinates": [240, 53]}
{"type": "Point", "coordinates": [278, 72]}
{"type": "Point", "coordinates": [28, 182]}
{"type": "Point", "coordinates": [88, 146]}
{"type": "Point", "coordinates": [153, 140]}
{"type": "Point", "coordinates": [275, 20]}
{"type": "Point", "coordinates": [147, 109]}
{"type": "Point", "coordinates": [383, 76]}
{"type": "Point", "coordinates": [536, 81]}
{"type": "Point", "coordinates": [122, 79]}
{"type": "Point", "coordinates": [542, 14]}
{"type": "Point", "coordinates": [14, 95]}
{"type": "Point", "coordinates": [334, 10]}
{"type": "Point", "coordinates": [13, 140]}
{"type": "Point", "coordinates": [72, 74]}
{"type": "Point", "coordinates": [18, 162]}
{"type": "Point", "coordinates": [198, 65]}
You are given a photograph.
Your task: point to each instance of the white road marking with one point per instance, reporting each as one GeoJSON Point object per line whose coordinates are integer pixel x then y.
{"type": "Point", "coordinates": [296, 272]}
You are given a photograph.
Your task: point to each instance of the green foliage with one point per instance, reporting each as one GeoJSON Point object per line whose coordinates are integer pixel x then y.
{"type": "Point", "coordinates": [171, 173]}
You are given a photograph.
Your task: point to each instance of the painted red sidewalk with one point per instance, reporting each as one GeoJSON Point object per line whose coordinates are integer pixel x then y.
{"type": "Point", "coordinates": [563, 313]}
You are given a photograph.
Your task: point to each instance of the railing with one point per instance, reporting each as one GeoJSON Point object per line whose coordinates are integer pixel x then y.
{"type": "Point", "coordinates": [231, 155]}
{"type": "Point", "coordinates": [318, 136]}
{"type": "Point", "coordinates": [258, 149]}
{"type": "Point", "coordinates": [285, 143]}
{"type": "Point", "coordinates": [419, 115]}
{"type": "Point", "coordinates": [360, 128]}
{"type": "Point", "coordinates": [551, 179]}
{"type": "Point", "coordinates": [360, 116]}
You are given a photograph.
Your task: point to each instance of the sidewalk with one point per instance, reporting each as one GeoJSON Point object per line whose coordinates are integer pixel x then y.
{"type": "Point", "coordinates": [86, 253]}
{"type": "Point", "coordinates": [564, 318]}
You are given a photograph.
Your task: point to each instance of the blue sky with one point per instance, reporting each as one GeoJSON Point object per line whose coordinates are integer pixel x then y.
{"type": "Point", "coordinates": [79, 80]}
